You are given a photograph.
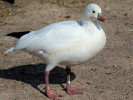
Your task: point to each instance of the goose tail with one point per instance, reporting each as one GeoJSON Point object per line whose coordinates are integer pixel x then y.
{"type": "Point", "coordinates": [9, 50]}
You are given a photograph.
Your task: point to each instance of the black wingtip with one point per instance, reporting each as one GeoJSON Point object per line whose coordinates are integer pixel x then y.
{"type": "Point", "coordinates": [18, 34]}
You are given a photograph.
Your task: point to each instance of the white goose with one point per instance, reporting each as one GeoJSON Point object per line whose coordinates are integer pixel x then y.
{"type": "Point", "coordinates": [68, 43]}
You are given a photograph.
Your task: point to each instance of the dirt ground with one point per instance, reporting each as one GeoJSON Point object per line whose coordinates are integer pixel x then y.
{"type": "Point", "coordinates": [108, 76]}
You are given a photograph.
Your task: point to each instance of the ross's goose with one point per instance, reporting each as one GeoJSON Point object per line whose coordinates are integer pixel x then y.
{"type": "Point", "coordinates": [67, 42]}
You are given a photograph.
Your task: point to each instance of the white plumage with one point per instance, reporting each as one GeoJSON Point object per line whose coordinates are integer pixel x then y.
{"type": "Point", "coordinates": [67, 42]}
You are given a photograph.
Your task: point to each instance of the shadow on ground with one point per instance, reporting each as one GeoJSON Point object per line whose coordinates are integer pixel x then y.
{"type": "Point", "coordinates": [18, 34]}
{"type": "Point", "coordinates": [10, 1]}
{"type": "Point", "coordinates": [34, 75]}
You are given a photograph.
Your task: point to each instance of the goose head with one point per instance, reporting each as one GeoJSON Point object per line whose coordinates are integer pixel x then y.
{"type": "Point", "coordinates": [92, 12]}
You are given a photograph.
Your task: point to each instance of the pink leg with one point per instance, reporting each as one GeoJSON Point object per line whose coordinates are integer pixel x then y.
{"type": "Point", "coordinates": [70, 90]}
{"type": "Point", "coordinates": [47, 90]}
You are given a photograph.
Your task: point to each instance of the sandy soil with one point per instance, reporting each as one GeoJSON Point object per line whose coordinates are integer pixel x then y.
{"type": "Point", "coordinates": [108, 76]}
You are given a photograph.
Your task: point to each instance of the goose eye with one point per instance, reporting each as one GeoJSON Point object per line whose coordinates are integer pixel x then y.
{"type": "Point", "coordinates": [93, 11]}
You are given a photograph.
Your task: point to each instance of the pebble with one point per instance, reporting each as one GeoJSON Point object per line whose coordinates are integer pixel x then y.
{"type": "Point", "coordinates": [130, 30]}
{"type": "Point", "coordinates": [88, 82]}
{"type": "Point", "coordinates": [67, 17]}
{"type": "Point", "coordinates": [107, 8]}
{"type": "Point", "coordinates": [54, 10]}
{"type": "Point", "coordinates": [114, 66]}
{"type": "Point", "coordinates": [132, 9]}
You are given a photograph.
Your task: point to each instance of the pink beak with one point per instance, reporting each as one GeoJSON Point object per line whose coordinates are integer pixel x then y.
{"type": "Point", "coordinates": [101, 18]}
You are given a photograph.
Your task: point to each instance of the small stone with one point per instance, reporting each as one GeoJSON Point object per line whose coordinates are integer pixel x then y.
{"type": "Point", "coordinates": [125, 14]}
{"type": "Point", "coordinates": [114, 66]}
{"type": "Point", "coordinates": [107, 8]}
{"type": "Point", "coordinates": [115, 16]}
{"type": "Point", "coordinates": [88, 82]}
{"type": "Point", "coordinates": [67, 17]}
{"type": "Point", "coordinates": [93, 69]}
{"type": "Point", "coordinates": [130, 30]}
{"type": "Point", "coordinates": [132, 9]}
{"type": "Point", "coordinates": [128, 57]}
{"type": "Point", "coordinates": [61, 96]}
{"type": "Point", "coordinates": [53, 1]}
{"type": "Point", "coordinates": [108, 73]}
{"type": "Point", "coordinates": [54, 10]}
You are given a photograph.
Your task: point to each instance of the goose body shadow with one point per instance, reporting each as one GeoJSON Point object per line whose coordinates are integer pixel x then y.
{"type": "Point", "coordinates": [34, 75]}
